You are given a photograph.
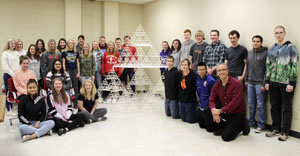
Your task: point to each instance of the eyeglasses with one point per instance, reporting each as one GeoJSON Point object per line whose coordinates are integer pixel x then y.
{"type": "Point", "coordinates": [221, 70]}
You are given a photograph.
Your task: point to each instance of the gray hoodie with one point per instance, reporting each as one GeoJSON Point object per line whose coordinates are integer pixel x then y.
{"type": "Point", "coordinates": [256, 65]}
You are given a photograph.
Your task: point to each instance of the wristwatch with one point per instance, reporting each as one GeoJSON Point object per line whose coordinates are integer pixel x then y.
{"type": "Point", "coordinates": [220, 111]}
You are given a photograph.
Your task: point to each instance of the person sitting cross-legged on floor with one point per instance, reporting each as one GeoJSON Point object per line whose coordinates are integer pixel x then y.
{"type": "Point", "coordinates": [32, 113]}
{"type": "Point", "coordinates": [88, 101]}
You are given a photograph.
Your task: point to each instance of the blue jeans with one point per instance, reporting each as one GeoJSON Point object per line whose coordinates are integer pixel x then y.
{"type": "Point", "coordinates": [5, 80]}
{"type": "Point", "coordinates": [43, 129]}
{"type": "Point", "coordinates": [187, 111]}
{"type": "Point", "coordinates": [171, 108]}
{"type": "Point", "coordinates": [256, 97]}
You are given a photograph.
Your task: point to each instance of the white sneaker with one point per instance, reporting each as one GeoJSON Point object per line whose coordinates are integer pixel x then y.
{"type": "Point", "coordinates": [258, 130]}
{"type": "Point", "coordinates": [50, 133]}
{"type": "Point", "coordinates": [25, 138]}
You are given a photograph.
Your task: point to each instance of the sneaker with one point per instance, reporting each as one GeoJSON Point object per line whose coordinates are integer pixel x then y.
{"type": "Point", "coordinates": [81, 124]}
{"type": "Point", "coordinates": [283, 137]}
{"type": "Point", "coordinates": [272, 133]}
{"type": "Point", "coordinates": [218, 132]}
{"type": "Point", "coordinates": [61, 131]}
{"type": "Point", "coordinates": [258, 130]}
{"type": "Point", "coordinates": [25, 138]}
{"type": "Point", "coordinates": [50, 133]}
{"type": "Point", "coordinates": [246, 129]}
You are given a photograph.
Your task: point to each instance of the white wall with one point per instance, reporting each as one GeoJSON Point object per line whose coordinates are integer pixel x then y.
{"type": "Point", "coordinates": [167, 19]}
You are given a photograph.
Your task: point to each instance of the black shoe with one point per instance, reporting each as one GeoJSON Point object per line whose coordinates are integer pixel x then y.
{"type": "Point", "coordinates": [246, 129]}
{"type": "Point", "coordinates": [81, 124]}
{"type": "Point", "coordinates": [61, 131]}
{"type": "Point", "coordinates": [218, 132]}
{"type": "Point", "coordinates": [103, 118]}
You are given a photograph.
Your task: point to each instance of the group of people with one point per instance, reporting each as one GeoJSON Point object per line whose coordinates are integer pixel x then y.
{"type": "Point", "coordinates": [60, 69]}
{"type": "Point", "coordinates": [205, 83]}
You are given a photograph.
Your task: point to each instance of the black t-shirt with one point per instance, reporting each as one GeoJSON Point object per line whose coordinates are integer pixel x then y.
{"type": "Point", "coordinates": [235, 57]}
{"type": "Point", "coordinates": [87, 104]}
{"type": "Point", "coordinates": [197, 52]}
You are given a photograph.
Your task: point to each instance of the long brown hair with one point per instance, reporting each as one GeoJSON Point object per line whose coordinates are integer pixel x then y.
{"type": "Point", "coordinates": [62, 93]}
{"type": "Point", "coordinates": [36, 54]}
{"type": "Point", "coordinates": [114, 51]}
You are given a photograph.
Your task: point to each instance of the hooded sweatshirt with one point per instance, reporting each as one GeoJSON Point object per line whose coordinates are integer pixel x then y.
{"type": "Point", "coordinates": [256, 65]}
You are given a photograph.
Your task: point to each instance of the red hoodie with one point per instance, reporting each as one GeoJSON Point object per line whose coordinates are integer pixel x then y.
{"type": "Point", "coordinates": [108, 61]}
{"type": "Point", "coordinates": [131, 50]}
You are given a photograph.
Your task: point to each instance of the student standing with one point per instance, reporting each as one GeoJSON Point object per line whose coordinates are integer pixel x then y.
{"type": "Point", "coordinates": [40, 46]}
{"type": "Point", "coordinates": [19, 47]}
{"type": "Point", "coordinates": [176, 50]}
{"type": "Point", "coordinates": [197, 50]}
{"type": "Point", "coordinates": [255, 74]}
{"type": "Point", "coordinates": [97, 53]}
{"type": "Point", "coordinates": [281, 78]}
{"type": "Point", "coordinates": [186, 45]}
{"type": "Point", "coordinates": [87, 64]}
{"type": "Point", "coordinates": [34, 62]}
{"type": "Point", "coordinates": [70, 59]}
{"type": "Point", "coordinates": [10, 65]}
{"type": "Point", "coordinates": [165, 52]}
{"type": "Point", "coordinates": [61, 46]}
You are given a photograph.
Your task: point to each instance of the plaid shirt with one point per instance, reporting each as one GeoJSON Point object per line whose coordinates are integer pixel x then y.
{"type": "Point", "coordinates": [214, 54]}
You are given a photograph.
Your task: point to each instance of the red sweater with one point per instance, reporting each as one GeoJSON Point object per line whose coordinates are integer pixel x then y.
{"type": "Point", "coordinates": [108, 61]}
{"type": "Point", "coordinates": [131, 50]}
{"type": "Point", "coordinates": [231, 98]}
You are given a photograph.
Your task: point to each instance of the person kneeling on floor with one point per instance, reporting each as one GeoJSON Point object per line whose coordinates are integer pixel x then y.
{"type": "Point", "coordinates": [226, 116]}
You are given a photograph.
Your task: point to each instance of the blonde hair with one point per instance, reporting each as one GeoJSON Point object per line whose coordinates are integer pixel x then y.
{"type": "Point", "coordinates": [74, 48]}
{"type": "Point", "coordinates": [7, 47]}
{"type": "Point", "coordinates": [98, 49]}
{"type": "Point", "coordinates": [84, 92]}
{"type": "Point", "coordinates": [49, 42]}
{"type": "Point", "coordinates": [200, 33]}
{"type": "Point", "coordinates": [115, 50]}
{"type": "Point", "coordinates": [19, 40]}
{"type": "Point", "coordinates": [89, 51]}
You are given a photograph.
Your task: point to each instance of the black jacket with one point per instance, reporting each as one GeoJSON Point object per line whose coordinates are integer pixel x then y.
{"type": "Point", "coordinates": [189, 93]}
{"type": "Point", "coordinates": [31, 109]}
{"type": "Point", "coordinates": [171, 90]}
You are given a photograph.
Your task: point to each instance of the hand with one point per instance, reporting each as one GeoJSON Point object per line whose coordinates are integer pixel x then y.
{"type": "Point", "coordinates": [267, 86]}
{"type": "Point", "coordinates": [70, 121]}
{"type": "Point", "coordinates": [246, 84]}
{"type": "Point", "coordinates": [197, 100]}
{"type": "Point", "coordinates": [289, 88]}
{"type": "Point", "coordinates": [240, 78]}
{"type": "Point", "coordinates": [263, 89]}
{"type": "Point", "coordinates": [78, 75]}
{"type": "Point", "coordinates": [215, 111]}
{"type": "Point", "coordinates": [37, 124]}
{"type": "Point", "coordinates": [93, 78]}
{"type": "Point", "coordinates": [217, 118]}
{"type": "Point", "coordinates": [134, 69]}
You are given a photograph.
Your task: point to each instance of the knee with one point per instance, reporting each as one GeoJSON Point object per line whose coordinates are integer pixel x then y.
{"type": "Point", "coordinates": [51, 123]}
{"type": "Point", "coordinates": [226, 136]}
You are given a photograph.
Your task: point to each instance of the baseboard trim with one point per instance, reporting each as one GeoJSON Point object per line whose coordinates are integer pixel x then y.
{"type": "Point", "coordinates": [292, 133]}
